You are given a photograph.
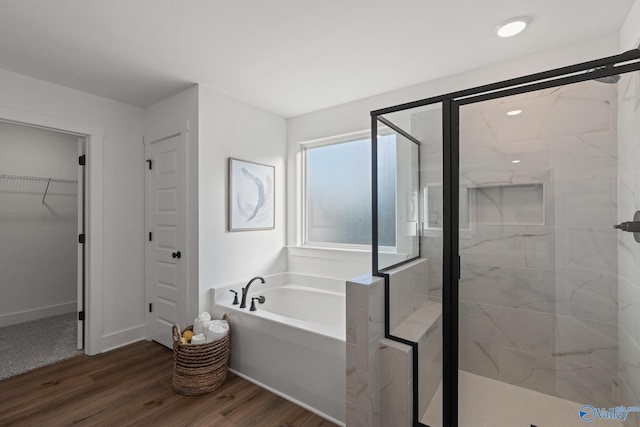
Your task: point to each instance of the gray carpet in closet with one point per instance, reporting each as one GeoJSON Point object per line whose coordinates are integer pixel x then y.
{"type": "Point", "coordinates": [30, 345]}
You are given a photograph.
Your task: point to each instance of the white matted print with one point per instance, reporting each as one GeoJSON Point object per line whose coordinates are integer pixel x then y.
{"type": "Point", "coordinates": [251, 196]}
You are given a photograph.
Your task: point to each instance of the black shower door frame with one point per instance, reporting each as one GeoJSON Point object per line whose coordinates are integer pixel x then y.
{"type": "Point", "coordinates": [618, 64]}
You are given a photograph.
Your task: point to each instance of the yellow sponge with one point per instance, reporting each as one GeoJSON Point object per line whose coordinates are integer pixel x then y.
{"type": "Point", "coordinates": [187, 335]}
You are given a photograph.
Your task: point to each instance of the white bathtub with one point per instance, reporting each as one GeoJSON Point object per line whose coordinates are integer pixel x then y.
{"type": "Point", "coordinates": [294, 344]}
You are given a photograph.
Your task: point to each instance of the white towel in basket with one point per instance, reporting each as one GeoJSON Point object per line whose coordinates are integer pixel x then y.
{"type": "Point", "coordinates": [198, 339]}
{"type": "Point", "coordinates": [215, 329]}
{"type": "Point", "coordinates": [198, 323]}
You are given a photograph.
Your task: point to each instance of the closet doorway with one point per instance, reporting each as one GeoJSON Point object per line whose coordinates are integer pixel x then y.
{"type": "Point", "coordinates": [42, 250]}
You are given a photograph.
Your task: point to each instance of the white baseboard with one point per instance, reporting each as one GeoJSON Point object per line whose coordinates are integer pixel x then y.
{"type": "Point", "coordinates": [121, 338]}
{"type": "Point", "coordinates": [289, 398]}
{"type": "Point", "coordinates": [37, 313]}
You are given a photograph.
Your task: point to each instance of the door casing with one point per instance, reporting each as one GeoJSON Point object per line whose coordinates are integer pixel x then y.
{"type": "Point", "coordinates": [93, 339]}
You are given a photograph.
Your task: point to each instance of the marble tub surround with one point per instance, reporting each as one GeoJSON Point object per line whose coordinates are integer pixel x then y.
{"type": "Point", "coordinates": [365, 330]}
{"type": "Point", "coordinates": [379, 370]}
{"type": "Point", "coordinates": [396, 384]}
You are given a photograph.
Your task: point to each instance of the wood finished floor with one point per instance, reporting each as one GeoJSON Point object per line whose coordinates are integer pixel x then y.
{"type": "Point", "coordinates": [131, 386]}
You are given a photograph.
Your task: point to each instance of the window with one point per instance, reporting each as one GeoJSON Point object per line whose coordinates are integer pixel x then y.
{"type": "Point", "coordinates": [337, 205]}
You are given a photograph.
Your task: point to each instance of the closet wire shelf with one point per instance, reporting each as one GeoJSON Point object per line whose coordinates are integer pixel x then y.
{"type": "Point", "coordinates": [38, 178]}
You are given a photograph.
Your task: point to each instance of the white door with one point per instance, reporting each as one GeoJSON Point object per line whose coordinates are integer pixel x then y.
{"type": "Point", "coordinates": [81, 246]}
{"type": "Point", "coordinates": [166, 272]}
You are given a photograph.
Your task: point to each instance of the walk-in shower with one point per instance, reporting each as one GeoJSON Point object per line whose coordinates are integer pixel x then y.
{"type": "Point", "coordinates": [533, 297]}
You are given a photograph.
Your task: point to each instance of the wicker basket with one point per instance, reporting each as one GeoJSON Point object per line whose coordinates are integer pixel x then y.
{"type": "Point", "coordinates": [200, 368]}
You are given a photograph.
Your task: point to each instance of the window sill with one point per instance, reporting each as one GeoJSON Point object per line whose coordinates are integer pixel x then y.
{"type": "Point", "coordinates": [327, 252]}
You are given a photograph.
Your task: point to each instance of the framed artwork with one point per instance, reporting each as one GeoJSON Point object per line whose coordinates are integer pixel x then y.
{"type": "Point", "coordinates": [251, 201]}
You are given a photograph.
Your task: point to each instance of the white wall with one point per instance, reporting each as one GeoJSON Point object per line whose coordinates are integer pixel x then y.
{"type": "Point", "coordinates": [230, 128]}
{"type": "Point", "coordinates": [38, 242]}
{"type": "Point", "coordinates": [164, 118]}
{"type": "Point", "coordinates": [354, 116]}
{"type": "Point", "coordinates": [120, 307]}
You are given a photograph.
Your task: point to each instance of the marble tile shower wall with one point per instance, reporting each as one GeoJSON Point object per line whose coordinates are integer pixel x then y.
{"type": "Point", "coordinates": [628, 249]}
{"type": "Point", "coordinates": [538, 298]}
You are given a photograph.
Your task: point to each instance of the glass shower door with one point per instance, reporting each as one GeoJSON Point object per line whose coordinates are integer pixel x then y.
{"type": "Point", "coordinates": [409, 144]}
{"type": "Point", "coordinates": [538, 278]}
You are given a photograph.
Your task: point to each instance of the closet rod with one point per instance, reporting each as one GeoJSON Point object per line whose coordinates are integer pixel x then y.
{"type": "Point", "coordinates": [36, 178]}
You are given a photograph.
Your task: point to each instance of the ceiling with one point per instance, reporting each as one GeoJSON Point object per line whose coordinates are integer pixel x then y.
{"type": "Point", "coordinates": [289, 57]}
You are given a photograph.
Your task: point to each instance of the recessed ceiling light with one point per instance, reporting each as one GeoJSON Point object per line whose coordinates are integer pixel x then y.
{"type": "Point", "coordinates": [515, 161]}
{"type": "Point", "coordinates": [512, 26]}
{"type": "Point", "coordinates": [514, 112]}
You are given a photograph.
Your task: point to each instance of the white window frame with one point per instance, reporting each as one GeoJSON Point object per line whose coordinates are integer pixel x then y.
{"type": "Point", "coordinates": [303, 205]}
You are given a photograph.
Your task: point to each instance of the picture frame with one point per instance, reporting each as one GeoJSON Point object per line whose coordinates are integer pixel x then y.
{"type": "Point", "coordinates": [251, 196]}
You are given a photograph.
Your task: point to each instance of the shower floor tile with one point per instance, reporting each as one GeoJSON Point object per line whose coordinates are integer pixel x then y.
{"type": "Point", "coordinates": [489, 403]}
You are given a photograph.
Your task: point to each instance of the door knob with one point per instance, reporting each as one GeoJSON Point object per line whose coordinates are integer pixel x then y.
{"type": "Point", "coordinates": [176, 255]}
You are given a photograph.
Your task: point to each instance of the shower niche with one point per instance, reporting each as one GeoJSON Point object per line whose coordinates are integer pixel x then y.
{"type": "Point", "coordinates": [505, 204]}
{"type": "Point", "coordinates": [512, 204]}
